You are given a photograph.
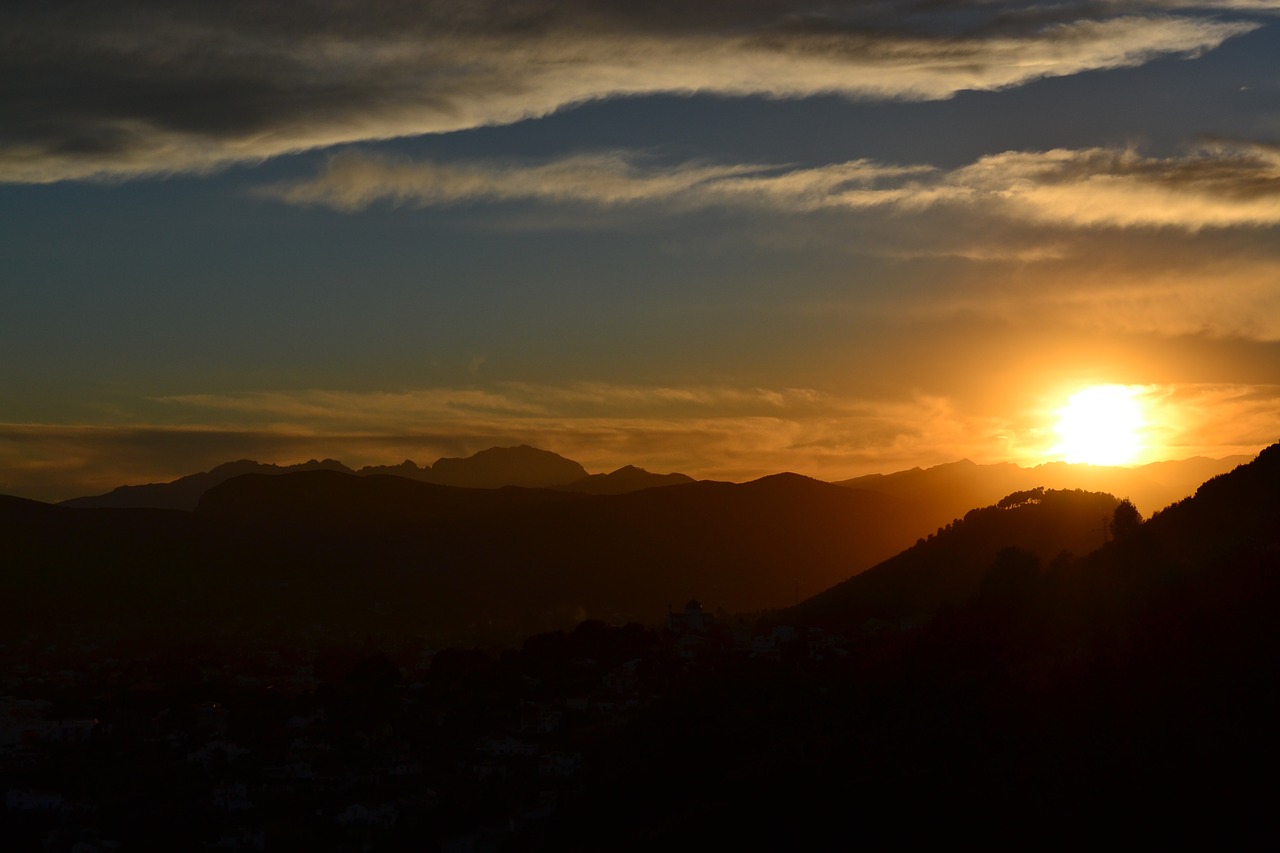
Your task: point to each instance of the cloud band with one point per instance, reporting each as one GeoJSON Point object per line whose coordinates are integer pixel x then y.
{"type": "Point", "coordinates": [130, 87]}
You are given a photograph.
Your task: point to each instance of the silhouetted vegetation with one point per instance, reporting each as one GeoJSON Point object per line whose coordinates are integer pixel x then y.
{"type": "Point", "coordinates": [1125, 520]}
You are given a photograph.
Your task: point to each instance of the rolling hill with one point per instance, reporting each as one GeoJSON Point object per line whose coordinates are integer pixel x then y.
{"type": "Point", "coordinates": [275, 553]}
{"type": "Point", "coordinates": [948, 567]}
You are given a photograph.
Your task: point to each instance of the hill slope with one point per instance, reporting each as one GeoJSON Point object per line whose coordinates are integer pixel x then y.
{"type": "Point", "coordinates": [388, 555]}
{"type": "Point", "coordinates": [948, 568]}
{"type": "Point", "coordinates": [1130, 692]}
{"type": "Point", "coordinates": [949, 490]}
{"type": "Point", "coordinates": [539, 557]}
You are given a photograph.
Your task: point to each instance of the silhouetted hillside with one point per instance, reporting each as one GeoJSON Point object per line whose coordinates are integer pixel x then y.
{"type": "Point", "coordinates": [1230, 515]}
{"type": "Point", "coordinates": [325, 502]}
{"type": "Point", "coordinates": [73, 570]}
{"type": "Point", "coordinates": [948, 567]}
{"type": "Point", "coordinates": [534, 557]}
{"type": "Point", "coordinates": [1130, 692]}
{"type": "Point", "coordinates": [947, 491]}
{"type": "Point", "coordinates": [15, 510]}
{"type": "Point", "coordinates": [389, 555]}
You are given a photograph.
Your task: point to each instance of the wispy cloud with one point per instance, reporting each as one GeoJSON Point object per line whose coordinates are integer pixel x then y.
{"type": "Point", "coordinates": [128, 87]}
{"type": "Point", "coordinates": [1219, 185]}
{"type": "Point", "coordinates": [399, 411]}
{"type": "Point", "coordinates": [354, 181]}
{"type": "Point", "coordinates": [366, 409]}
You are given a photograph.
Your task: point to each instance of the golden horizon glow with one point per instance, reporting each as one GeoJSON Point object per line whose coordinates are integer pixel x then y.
{"type": "Point", "coordinates": [1101, 425]}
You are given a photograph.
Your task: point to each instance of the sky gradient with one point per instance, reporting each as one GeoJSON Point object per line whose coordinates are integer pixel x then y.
{"type": "Point", "coordinates": [724, 238]}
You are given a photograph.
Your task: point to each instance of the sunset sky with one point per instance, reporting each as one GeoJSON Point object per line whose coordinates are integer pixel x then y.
{"type": "Point", "coordinates": [722, 238]}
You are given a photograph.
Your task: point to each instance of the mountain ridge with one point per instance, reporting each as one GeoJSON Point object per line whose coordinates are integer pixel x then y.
{"type": "Point", "coordinates": [953, 488]}
{"type": "Point", "coordinates": [184, 493]}
{"type": "Point", "coordinates": [948, 489]}
{"type": "Point", "coordinates": [279, 552]}
{"type": "Point", "coordinates": [492, 468]}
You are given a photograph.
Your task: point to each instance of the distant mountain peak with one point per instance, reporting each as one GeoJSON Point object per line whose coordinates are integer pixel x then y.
{"type": "Point", "coordinates": [184, 493]}
{"type": "Point", "coordinates": [407, 468]}
{"type": "Point", "coordinates": [786, 477]}
{"type": "Point", "coordinates": [628, 478]}
{"type": "Point", "coordinates": [508, 466]}
{"type": "Point", "coordinates": [493, 468]}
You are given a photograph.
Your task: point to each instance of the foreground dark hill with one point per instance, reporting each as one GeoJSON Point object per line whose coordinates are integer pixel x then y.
{"type": "Point", "coordinates": [1232, 516]}
{"type": "Point", "coordinates": [73, 570]}
{"type": "Point", "coordinates": [542, 557]}
{"type": "Point", "coordinates": [948, 567]}
{"type": "Point", "coordinates": [948, 491]}
{"type": "Point", "coordinates": [1130, 692]}
{"type": "Point", "coordinates": [385, 555]}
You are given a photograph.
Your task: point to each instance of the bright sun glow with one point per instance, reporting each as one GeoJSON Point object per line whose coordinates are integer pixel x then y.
{"type": "Point", "coordinates": [1101, 425]}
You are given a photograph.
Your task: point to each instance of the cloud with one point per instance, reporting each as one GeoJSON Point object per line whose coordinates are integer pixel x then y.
{"type": "Point", "coordinates": [354, 411]}
{"type": "Point", "coordinates": [1244, 416]}
{"type": "Point", "coordinates": [1113, 238]}
{"type": "Point", "coordinates": [354, 181]}
{"type": "Point", "coordinates": [1220, 185]}
{"type": "Point", "coordinates": [123, 88]}
{"type": "Point", "coordinates": [369, 409]}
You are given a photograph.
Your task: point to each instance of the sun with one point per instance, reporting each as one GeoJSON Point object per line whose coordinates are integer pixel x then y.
{"type": "Point", "coordinates": [1101, 425]}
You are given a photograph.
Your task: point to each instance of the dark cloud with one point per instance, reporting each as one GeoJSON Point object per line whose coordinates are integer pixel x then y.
{"type": "Point", "coordinates": [124, 87]}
